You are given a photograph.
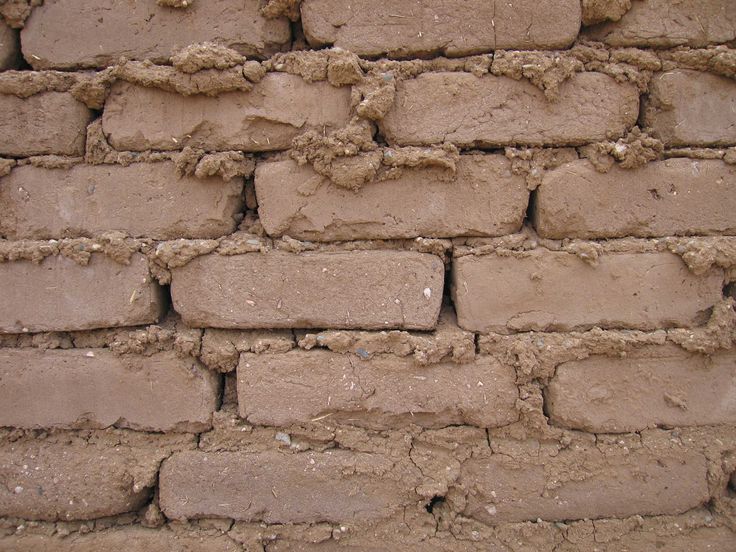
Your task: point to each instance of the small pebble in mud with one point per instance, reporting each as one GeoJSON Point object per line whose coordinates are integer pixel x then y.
{"type": "Point", "coordinates": [427, 293]}
{"type": "Point", "coordinates": [283, 437]}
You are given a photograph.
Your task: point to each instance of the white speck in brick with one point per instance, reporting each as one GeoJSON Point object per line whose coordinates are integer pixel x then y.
{"type": "Point", "coordinates": [89, 354]}
{"type": "Point", "coordinates": [427, 293]}
{"type": "Point", "coordinates": [18, 490]}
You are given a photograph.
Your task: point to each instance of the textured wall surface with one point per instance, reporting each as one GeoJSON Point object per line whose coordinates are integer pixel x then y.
{"type": "Point", "coordinates": [367, 275]}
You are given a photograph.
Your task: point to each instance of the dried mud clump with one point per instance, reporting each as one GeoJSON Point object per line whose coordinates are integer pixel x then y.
{"type": "Point", "coordinates": [545, 70]}
{"type": "Point", "coordinates": [15, 12]}
{"type": "Point", "coordinates": [175, 3]}
{"type": "Point", "coordinates": [531, 163]}
{"type": "Point", "coordinates": [282, 8]}
{"type": "Point", "coordinates": [720, 60]}
{"type": "Point", "coordinates": [634, 150]}
{"type": "Point", "coordinates": [598, 11]}
{"type": "Point", "coordinates": [206, 55]}
{"type": "Point", "coordinates": [226, 164]}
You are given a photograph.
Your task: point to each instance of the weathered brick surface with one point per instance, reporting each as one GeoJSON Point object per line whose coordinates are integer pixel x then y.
{"type": "Point", "coordinates": [663, 23]}
{"type": "Point", "coordinates": [58, 294]}
{"type": "Point", "coordinates": [358, 289]}
{"type": "Point", "coordinates": [77, 480]}
{"type": "Point", "coordinates": [663, 198]}
{"type": "Point", "coordinates": [691, 108]}
{"type": "Point", "coordinates": [94, 388]}
{"type": "Point", "coordinates": [279, 108]}
{"type": "Point", "coordinates": [282, 487]}
{"type": "Point", "coordinates": [46, 123]}
{"type": "Point", "coordinates": [9, 47]}
{"type": "Point", "coordinates": [382, 392]}
{"type": "Point", "coordinates": [130, 539]}
{"type": "Point", "coordinates": [640, 483]}
{"type": "Point", "coordinates": [483, 198]}
{"type": "Point", "coordinates": [554, 290]}
{"type": "Point", "coordinates": [64, 34]}
{"type": "Point", "coordinates": [495, 111]}
{"type": "Point", "coordinates": [662, 386]}
{"type": "Point", "coordinates": [141, 200]}
{"type": "Point", "coordinates": [401, 29]}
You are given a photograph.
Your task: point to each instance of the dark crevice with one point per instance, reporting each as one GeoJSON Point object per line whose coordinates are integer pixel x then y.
{"type": "Point", "coordinates": [435, 501]}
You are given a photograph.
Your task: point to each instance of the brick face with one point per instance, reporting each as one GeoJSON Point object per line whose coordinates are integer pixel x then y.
{"type": "Point", "coordinates": [497, 111]}
{"type": "Point", "coordinates": [31, 125]}
{"type": "Point", "coordinates": [483, 198]}
{"type": "Point", "coordinates": [143, 200]}
{"type": "Point", "coordinates": [278, 109]}
{"type": "Point", "coordinates": [383, 392]}
{"type": "Point", "coordinates": [94, 388]}
{"type": "Point", "coordinates": [659, 387]}
{"type": "Point", "coordinates": [402, 29]}
{"type": "Point", "coordinates": [691, 108]}
{"type": "Point", "coordinates": [102, 294]}
{"type": "Point", "coordinates": [663, 198]}
{"type": "Point", "coordinates": [113, 29]}
{"type": "Point", "coordinates": [547, 290]}
{"type": "Point", "coordinates": [368, 289]}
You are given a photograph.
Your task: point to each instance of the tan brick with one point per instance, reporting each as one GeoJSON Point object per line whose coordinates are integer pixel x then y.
{"type": "Point", "coordinates": [545, 290]}
{"type": "Point", "coordinates": [691, 108]}
{"type": "Point", "coordinates": [9, 47]}
{"type": "Point", "coordinates": [142, 200]}
{"type": "Point", "coordinates": [130, 539]}
{"type": "Point", "coordinates": [706, 539]}
{"type": "Point", "coordinates": [383, 392]}
{"type": "Point", "coordinates": [577, 484]}
{"type": "Point", "coordinates": [663, 198]}
{"type": "Point", "coordinates": [284, 487]}
{"type": "Point", "coordinates": [65, 34]}
{"type": "Point", "coordinates": [278, 109]}
{"type": "Point", "coordinates": [47, 123]}
{"type": "Point", "coordinates": [358, 289]}
{"type": "Point", "coordinates": [60, 295]}
{"type": "Point", "coordinates": [406, 29]}
{"type": "Point", "coordinates": [94, 388]}
{"type": "Point", "coordinates": [77, 480]}
{"type": "Point", "coordinates": [661, 386]}
{"type": "Point", "coordinates": [664, 23]}
{"type": "Point", "coordinates": [483, 198]}
{"type": "Point", "coordinates": [498, 111]}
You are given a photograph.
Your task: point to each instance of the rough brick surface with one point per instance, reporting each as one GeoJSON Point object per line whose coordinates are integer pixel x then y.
{"type": "Point", "coordinates": [659, 387]}
{"type": "Point", "coordinates": [383, 392]}
{"type": "Point", "coordinates": [142, 200]}
{"type": "Point", "coordinates": [58, 294]}
{"type": "Point", "coordinates": [401, 29]}
{"type": "Point", "coordinates": [691, 108]}
{"type": "Point", "coordinates": [662, 198]}
{"type": "Point", "coordinates": [550, 290]}
{"type": "Point", "coordinates": [9, 47]}
{"type": "Point", "coordinates": [130, 539]}
{"type": "Point", "coordinates": [94, 388]}
{"type": "Point", "coordinates": [644, 483]}
{"type": "Point", "coordinates": [113, 29]}
{"type": "Point", "coordinates": [366, 289]}
{"type": "Point", "coordinates": [483, 198]}
{"type": "Point", "coordinates": [278, 109]}
{"type": "Point", "coordinates": [495, 111]}
{"type": "Point", "coordinates": [33, 126]}
{"type": "Point", "coordinates": [664, 23]}
{"type": "Point", "coordinates": [282, 487]}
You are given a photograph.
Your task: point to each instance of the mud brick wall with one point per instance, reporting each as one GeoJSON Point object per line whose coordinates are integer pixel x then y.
{"type": "Point", "coordinates": [367, 275]}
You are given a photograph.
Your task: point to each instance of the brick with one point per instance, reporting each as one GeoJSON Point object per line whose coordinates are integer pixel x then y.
{"type": "Point", "coordinates": [691, 108]}
{"type": "Point", "coordinates": [406, 29]}
{"type": "Point", "coordinates": [33, 125]}
{"type": "Point", "coordinates": [9, 47]}
{"type": "Point", "coordinates": [497, 111]}
{"type": "Point", "coordinates": [661, 386]}
{"type": "Point", "coordinates": [65, 34]}
{"type": "Point", "coordinates": [76, 480]}
{"type": "Point", "coordinates": [663, 24]}
{"type": "Point", "coordinates": [676, 197]}
{"type": "Point", "coordinates": [383, 392]}
{"type": "Point", "coordinates": [94, 388]}
{"type": "Point", "coordinates": [578, 484]}
{"type": "Point", "coordinates": [483, 198]}
{"type": "Point", "coordinates": [278, 109]}
{"type": "Point", "coordinates": [543, 290]}
{"type": "Point", "coordinates": [102, 294]}
{"type": "Point", "coordinates": [358, 289]}
{"type": "Point", "coordinates": [130, 539]}
{"type": "Point", "coordinates": [143, 200]}
{"type": "Point", "coordinates": [278, 487]}
{"type": "Point", "coordinates": [701, 539]}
